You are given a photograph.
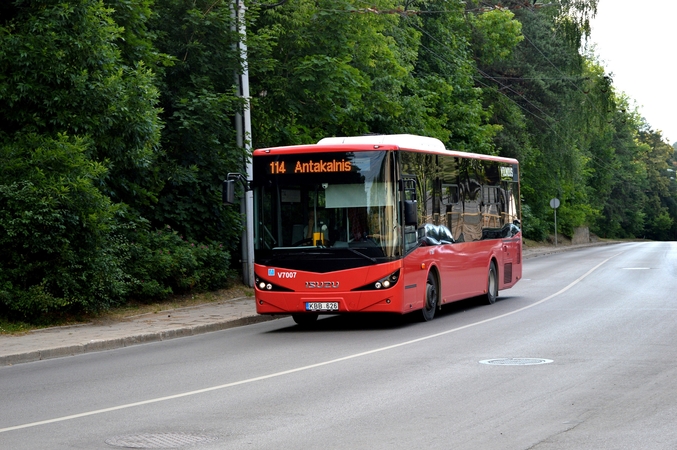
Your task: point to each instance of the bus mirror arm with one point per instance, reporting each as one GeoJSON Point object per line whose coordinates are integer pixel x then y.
{"type": "Point", "coordinates": [228, 187]}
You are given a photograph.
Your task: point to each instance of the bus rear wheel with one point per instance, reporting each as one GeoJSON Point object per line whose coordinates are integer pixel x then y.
{"type": "Point", "coordinates": [431, 298]}
{"type": "Point", "coordinates": [305, 319]}
{"type": "Point", "coordinates": [492, 284]}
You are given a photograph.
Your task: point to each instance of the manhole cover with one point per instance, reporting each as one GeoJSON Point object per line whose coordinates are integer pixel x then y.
{"type": "Point", "coordinates": [516, 361]}
{"type": "Point", "coordinates": [159, 440]}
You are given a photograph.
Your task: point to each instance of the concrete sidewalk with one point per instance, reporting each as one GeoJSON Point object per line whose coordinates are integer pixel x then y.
{"type": "Point", "coordinates": [76, 339]}
{"type": "Point", "coordinates": [73, 340]}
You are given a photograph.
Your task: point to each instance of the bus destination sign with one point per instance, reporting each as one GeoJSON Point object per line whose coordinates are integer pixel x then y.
{"type": "Point", "coordinates": [321, 166]}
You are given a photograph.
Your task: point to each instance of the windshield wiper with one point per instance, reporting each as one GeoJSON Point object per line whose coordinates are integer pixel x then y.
{"type": "Point", "coordinates": [362, 254]}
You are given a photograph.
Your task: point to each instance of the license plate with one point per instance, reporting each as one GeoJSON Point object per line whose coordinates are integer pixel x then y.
{"type": "Point", "coordinates": [322, 306]}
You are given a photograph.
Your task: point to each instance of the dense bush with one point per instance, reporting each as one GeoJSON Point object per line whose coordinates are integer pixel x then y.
{"type": "Point", "coordinates": [532, 227]}
{"type": "Point", "coordinates": [55, 229]}
{"type": "Point", "coordinates": [162, 262]}
{"type": "Point", "coordinates": [65, 248]}
{"type": "Point", "coordinates": [80, 180]}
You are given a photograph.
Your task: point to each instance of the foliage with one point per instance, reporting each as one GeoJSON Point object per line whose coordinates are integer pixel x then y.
{"type": "Point", "coordinates": [533, 226]}
{"type": "Point", "coordinates": [64, 247]}
{"type": "Point", "coordinates": [342, 69]}
{"type": "Point", "coordinates": [162, 262]}
{"type": "Point", "coordinates": [63, 73]}
{"type": "Point", "coordinates": [576, 138]}
{"type": "Point", "coordinates": [323, 71]}
{"type": "Point", "coordinates": [199, 104]}
{"type": "Point", "coordinates": [496, 34]}
{"type": "Point", "coordinates": [79, 135]}
{"type": "Point", "coordinates": [80, 143]}
{"type": "Point", "coordinates": [55, 226]}
{"type": "Point", "coordinates": [661, 195]}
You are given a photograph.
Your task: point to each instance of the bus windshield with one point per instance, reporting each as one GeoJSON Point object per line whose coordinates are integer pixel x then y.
{"type": "Point", "coordinates": [342, 202]}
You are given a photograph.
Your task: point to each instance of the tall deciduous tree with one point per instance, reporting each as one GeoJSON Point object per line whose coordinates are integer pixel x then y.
{"type": "Point", "coordinates": [341, 68]}
{"type": "Point", "coordinates": [661, 204]}
{"type": "Point", "coordinates": [331, 69]}
{"type": "Point", "coordinates": [79, 128]}
{"type": "Point", "coordinates": [199, 101]}
{"type": "Point", "coordinates": [544, 95]}
{"type": "Point", "coordinates": [64, 73]}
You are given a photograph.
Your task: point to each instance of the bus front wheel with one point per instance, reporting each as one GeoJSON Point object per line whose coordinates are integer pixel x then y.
{"type": "Point", "coordinates": [431, 298]}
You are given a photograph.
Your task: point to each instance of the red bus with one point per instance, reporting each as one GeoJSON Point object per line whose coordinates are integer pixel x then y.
{"type": "Point", "coordinates": [389, 223]}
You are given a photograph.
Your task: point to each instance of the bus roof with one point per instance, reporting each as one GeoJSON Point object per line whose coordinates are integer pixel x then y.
{"type": "Point", "coordinates": [381, 142]}
{"type": "Point", "coordinates": [403, 141]}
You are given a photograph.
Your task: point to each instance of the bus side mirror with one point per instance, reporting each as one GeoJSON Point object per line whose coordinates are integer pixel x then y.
{"type": "Point", "coordinates": [228, 187]}
{"type": "Point", "coordinates": [407, 185]}
{"type": "Point", "coordinates": [228, 192]}
{"type": "Point", "coordinates": [410, 213]}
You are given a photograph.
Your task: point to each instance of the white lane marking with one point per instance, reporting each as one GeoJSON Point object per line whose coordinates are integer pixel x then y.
{"type": "Point", "coordinates": [300, 369]}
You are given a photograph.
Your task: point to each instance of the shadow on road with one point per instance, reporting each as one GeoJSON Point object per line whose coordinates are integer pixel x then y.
{"type": "Point", "coordinates": [382, 321]}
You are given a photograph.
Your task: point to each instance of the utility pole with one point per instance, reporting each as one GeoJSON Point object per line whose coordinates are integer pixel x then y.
{"type": "Point", "coordinates": [243, 127]}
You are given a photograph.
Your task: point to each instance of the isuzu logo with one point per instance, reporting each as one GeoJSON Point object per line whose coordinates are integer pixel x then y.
{"type": "Point", "coordinates": [322, 284]}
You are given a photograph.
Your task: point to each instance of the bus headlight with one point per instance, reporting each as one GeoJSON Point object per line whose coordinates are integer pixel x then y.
{"type": "Point", "coordinates": [383, 283]}
{"type": "Point", "coordinates": [264, 285]}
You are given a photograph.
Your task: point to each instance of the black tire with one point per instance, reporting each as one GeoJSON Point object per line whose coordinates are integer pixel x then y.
{"type": "Point", "coordinates": [432, 295]}
{"type": "Point", "coordinates": [492, 284]}
{"type": "Point", "coordinates": [305, 319]}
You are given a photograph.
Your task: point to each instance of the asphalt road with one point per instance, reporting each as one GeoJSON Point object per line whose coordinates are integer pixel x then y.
{"type": "Point", "coordinates": [580, 354]}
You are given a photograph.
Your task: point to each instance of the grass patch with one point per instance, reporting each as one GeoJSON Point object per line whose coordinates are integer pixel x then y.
{"type": "Point", "coordinates": [14, 327]}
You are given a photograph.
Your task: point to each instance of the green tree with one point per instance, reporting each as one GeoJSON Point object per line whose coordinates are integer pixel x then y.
{"type": "Point", "coordinates": [199, 103]}
{"type": "Point", "coordinates": [623, 211]}
{"type": "Point", "coordinates": [63, 73]}
{"type": "Point", "coordinates": [79, 134]}
{"type": "Point", "coordinates": [443, 83]}
{"type": "Point", "coordinates": [59, 252]}
{"type": "Point", "coordinates": [394, 67]}
{"type": "Point", "coordinates": [331, 68]}
{"type": "Point", "coordinates": [540, 102]}
{"type": "Point", "coordinates": [661, 199]}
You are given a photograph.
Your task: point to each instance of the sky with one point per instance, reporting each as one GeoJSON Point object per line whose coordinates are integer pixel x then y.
{"type": "Point", "coordinates": [635, 42]}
